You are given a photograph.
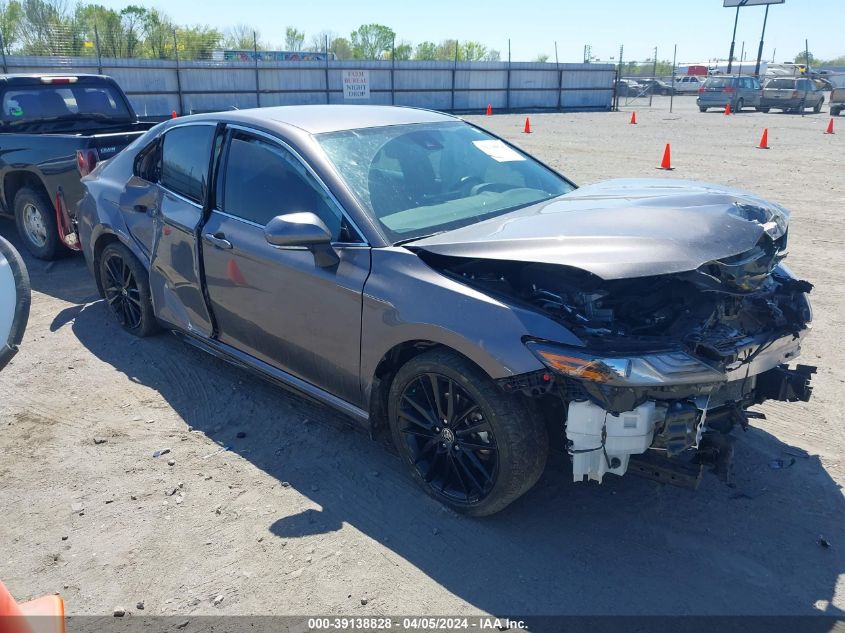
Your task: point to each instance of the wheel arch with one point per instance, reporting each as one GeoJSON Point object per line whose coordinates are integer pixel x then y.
{"type": "Point", "coordinates": [16, 180]}
{"type": "Point", "coordinates": [389, 365]}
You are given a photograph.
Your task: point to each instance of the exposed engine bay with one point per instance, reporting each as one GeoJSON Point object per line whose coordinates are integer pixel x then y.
{"type": "Point", "coordinates": [670, 364]}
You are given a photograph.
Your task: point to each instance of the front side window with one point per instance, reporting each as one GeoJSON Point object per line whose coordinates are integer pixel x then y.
{"type": "Point", "coordinates": [415, 180]}
{"type": "Point", "coordinates": [185, 157]}
{"type": "Point", "coordinates": [263, 180]}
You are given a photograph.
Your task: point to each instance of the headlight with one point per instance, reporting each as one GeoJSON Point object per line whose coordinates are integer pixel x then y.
{"type": "Point", "coordinates": [669, 368]}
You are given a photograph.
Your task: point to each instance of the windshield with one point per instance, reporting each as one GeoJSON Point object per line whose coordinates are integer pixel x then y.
{"type": "Point", "coordinates": [57, 102]}
{"type": "Point", "coordinates": [421, 179]}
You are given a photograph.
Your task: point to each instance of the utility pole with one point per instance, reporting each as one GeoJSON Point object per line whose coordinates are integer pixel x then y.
{"type": "Point", "coordinates": [760, 50]}
{"type": "Point", "coordinates": [733, 42]}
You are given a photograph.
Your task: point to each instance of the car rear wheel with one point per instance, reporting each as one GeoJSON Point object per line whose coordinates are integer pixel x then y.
{"type": "Point", "coordinates": [468, 444]}
{"type": "Point", "coordinates": [818, 107]}
{"type": "Point", "coordinates": [739, 105]}
{"type": "Point", "coordinates": [799, 109]}
{"type": "Point", "coordinates": [35, 217]}
{"type": "Point", "coordinates": [702, 109]}
{"type": "Point", "coordinates": [126, 287]}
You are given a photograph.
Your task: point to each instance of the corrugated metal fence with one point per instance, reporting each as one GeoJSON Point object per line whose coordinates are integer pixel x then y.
{"type": "Point", "coordinates": [157, 87]}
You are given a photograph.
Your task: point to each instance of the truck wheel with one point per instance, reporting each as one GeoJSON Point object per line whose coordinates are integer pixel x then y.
{"type": "Point", "coordinates": [468, 444]}
{"type": "Point", "coordinates": [126, 286]}
{"type": "Point", "coordinates": [818, 107]}
{"type": "Point", "coordinates": [35, 217]}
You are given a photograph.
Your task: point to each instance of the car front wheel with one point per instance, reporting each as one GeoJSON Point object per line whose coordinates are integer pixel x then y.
{"type": "Point", "coordinates": [126, 288]}
{"type": "Point", "coordinates": [468, 444]}
{"type": "Point", "coordinates": [818, 107]}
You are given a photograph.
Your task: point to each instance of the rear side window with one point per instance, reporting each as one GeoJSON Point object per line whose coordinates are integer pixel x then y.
{"type": "Point", "coordinates": [781, 84]}
{"type": "Point", "coordinates": [718, 82]}
{"type": "Point", "coordinates": [185, 157]}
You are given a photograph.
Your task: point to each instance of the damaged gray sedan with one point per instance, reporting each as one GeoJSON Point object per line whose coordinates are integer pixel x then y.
{"type": "Point", "coordinates": [426, 277]}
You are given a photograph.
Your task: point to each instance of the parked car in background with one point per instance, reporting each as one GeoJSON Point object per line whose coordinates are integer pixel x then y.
{"type": "Point", "coordinates": [688, 84]}
{"type": "Point", "coordinates": [720, 90]}
{"type": "Point", "coordinates": [837, 101]}
{"type": "Point", "coordinates": [627, 88]}
{"type": "Point", "coordinates": [14, 301]}
{"type": "Point", "coordinates": [656, 86]}
{"type": "Point", "coordinates": [54, 128]}
{"type": "Point", "coordinates": [413, 270]}
{"type": "Point", "coordinates": [791, 95]}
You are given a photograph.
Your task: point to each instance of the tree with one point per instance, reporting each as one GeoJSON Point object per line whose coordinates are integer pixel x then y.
{"type": "Point", "coordinates": [341, 47]}
{"type": "Point", "coordinates": [240, 37]}
{"type": "Point", "coordinates": [133, 19]}
{"type": "Point", "coordinates": [294, 39]}
{"type": "Point", "coordinates": [371, 41]}
{"type": "Point", "coordinates": [318, 41]}
{"type": "Point", "coordinates": [103, 27]}
{"type": "Point", "coordinates": [198, 42]}
{"type": "Point", "coordinates": [472, 51]}
{"type": "Point", "coordinates": [158, 35]}
{"type": "Point", "coordinates": [542, 58]}
{"type": "Point", "coordinates": [492, 56]}
{"type": "Point", "coordinates": [48, 28]}
{"type": "Point", "coordinates": [426, 51]}
{"type": "Point", "coordinates": [11, 15]}
{"type": "Point", "coordinates": [801, 58]}
{"type": "Point", "coordinates": [403, 52]}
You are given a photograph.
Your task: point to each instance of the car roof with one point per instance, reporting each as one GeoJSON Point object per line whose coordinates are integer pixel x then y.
{"type": "Point", "coordinates": [38, 76]}
{"type": "Point", "coordinates": [318, 119]}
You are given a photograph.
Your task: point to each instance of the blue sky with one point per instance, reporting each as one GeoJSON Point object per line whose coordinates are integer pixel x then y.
{"type": "Point", "coordinates": [701, 28]}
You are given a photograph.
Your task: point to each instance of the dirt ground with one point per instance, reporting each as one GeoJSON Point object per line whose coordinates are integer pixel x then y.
{"type": "Point", "coordinates": [303, 515]}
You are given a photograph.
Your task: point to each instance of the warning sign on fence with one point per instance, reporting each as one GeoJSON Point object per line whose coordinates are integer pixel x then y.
{"type": "Point", "coordinates": [356, 84]}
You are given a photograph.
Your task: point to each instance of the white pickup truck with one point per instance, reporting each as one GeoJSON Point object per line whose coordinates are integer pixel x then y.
{"type": "Point", "coordinates": [688, 84]}
{"type": "Point", "coordinates": [837, 101]}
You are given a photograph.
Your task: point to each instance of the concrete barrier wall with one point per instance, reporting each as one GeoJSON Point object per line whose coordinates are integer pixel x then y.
{"type": "Point", "coordinates": [158, 87]}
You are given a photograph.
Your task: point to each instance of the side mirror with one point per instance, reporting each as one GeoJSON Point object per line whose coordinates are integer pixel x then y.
{"type": "Point", "coordinates": [297, 229]}
{"type": "Point", "coordinates": [303, 229]}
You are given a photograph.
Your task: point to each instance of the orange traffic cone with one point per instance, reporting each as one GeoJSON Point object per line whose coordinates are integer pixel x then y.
{"type": "Point", "coordinates": [527, 129]}
{"type": "Point", "coordinates": [666, 163]}
{"type": "Point", "coordinates": [45, 614]}
{"type": "Point", "coordinates": [764, 140]}
{"type": "Point", "coordinates": [728, 108]}
{"type": "Point", "coordinates": [173, 114]}
{"type": "Point", "coordinates": [489, 110]}
{"type": "Point", "coordinates": [829, 129]}
{"type": "Point", "coordinates": [633, 118]}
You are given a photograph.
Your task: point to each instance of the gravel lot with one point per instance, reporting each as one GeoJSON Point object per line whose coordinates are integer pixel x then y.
{"type": "Point", "coordinates": [303, 515]}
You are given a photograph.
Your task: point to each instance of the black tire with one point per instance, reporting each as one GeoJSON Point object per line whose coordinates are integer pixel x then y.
{"type": "Point", "coordinates": [835, 111]}
{"type": "Point", "coordinates": [126, 286]}
{"type": "Point", "coordinates": [799, 109]}
{"type": "Point", "coordinates": [702, 109]}
{"type": "Point", "coordinates": [518, 440]}
{"type": "Point", "coordinates": [739, 105]}
{"type": "Point", "coordinates": [35, 217]}
{"type": "Point", "coordinates": [818, 107]}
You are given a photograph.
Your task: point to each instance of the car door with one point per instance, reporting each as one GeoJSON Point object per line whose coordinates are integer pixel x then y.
{"type": "Point", "coordinates": [175, 283]}
{"type": "Point", "coordinates": [283, 305]}
{"type": "Point", "coordinates": [755, 92]}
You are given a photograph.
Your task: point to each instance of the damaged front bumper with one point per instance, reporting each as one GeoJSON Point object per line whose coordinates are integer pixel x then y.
{"type": "Point", "coordinates": [667, 415]}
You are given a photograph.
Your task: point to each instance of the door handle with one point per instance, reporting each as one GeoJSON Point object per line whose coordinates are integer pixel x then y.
{"type": "Point", "coordinates": [218, 239]}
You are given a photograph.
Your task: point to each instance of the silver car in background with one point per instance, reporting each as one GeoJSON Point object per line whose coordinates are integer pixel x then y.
{"type": "Point", "coordinates": [792, 94]}
{"type": "Point", "coordinates": [738, 91]}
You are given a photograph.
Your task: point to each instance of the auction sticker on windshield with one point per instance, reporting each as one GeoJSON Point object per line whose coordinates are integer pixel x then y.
{"type": "Point", "coordinates": [498, 151]}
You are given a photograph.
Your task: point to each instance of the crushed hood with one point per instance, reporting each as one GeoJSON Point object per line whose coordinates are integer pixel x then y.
{"type": "Point", "coordinates": [622, 229]}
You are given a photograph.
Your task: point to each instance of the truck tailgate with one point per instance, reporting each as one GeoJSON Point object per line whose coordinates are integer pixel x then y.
{"type": "Point", "coordinates": [110, 143]}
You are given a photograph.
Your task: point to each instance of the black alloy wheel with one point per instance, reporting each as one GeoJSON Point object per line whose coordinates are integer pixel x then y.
{"type": "Point", "coordinates": [452, 444]}
{"type": "Point", "coordinates": [121, 289]}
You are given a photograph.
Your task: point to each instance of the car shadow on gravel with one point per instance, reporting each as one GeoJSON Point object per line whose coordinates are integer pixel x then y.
{"type": "Point", "coordinates": [66, 278]}
{"type": "Point", "coordinates": [772, 545]}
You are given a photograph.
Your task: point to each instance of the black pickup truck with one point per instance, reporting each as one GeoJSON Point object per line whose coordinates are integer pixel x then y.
{"type": "Point", "coordinates": [53, 130]}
